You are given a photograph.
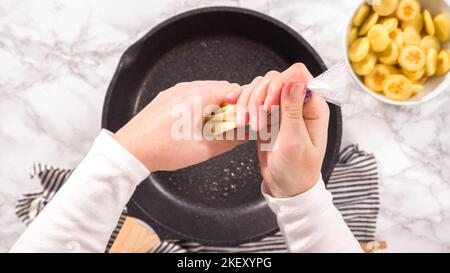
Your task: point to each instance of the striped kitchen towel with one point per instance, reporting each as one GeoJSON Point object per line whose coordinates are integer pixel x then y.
{"type": "Point", "coordinates": [353, 184]}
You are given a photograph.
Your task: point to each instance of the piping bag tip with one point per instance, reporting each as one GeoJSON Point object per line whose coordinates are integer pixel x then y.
{"type": "Point", "coordinates": [308, 95]}
{"type": "Point", "coordinates": [332, 85]}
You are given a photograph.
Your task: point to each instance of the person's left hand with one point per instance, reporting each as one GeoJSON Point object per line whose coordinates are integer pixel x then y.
{"type": "Point", "coordinates": [149, 135]}
{"type": "Point", "coordinates": [293, 165]}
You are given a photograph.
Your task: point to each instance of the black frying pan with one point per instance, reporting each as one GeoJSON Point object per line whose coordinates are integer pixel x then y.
{"type": "Point", "coordinates": [217, 202]}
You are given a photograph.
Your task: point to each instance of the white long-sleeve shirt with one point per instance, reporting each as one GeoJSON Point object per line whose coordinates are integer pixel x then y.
{"type": "Point", "coordinates": [84, 212]}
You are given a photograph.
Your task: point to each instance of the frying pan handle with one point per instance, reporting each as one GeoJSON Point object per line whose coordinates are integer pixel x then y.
{"type": "Point", "coordinates": [130, 56]}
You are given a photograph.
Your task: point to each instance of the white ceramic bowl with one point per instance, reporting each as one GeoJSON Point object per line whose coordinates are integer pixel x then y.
{"type": "Point", "coordinates": [433, 87]}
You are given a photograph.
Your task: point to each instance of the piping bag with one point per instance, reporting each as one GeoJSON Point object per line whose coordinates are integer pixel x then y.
{"type": "Point", "coordinates": [332, 85]}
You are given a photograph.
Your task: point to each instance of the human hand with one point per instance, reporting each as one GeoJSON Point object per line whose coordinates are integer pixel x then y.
{"type": "Point", "coordinates": [293, 165]}
{"type": "Point", "coordinates": [149, 135]}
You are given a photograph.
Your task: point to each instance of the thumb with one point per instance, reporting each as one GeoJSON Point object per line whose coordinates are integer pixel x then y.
{"type": "Point", "coordinates": [292, 98]}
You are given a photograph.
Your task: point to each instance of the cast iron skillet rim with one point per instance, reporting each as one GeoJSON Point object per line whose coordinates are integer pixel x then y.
{"type": "Point", "coordinates": [162, 25]}
{"type": "Point", "coordinates": [130, 51]}
{"type": "Point", "coordinates": [184, 237]}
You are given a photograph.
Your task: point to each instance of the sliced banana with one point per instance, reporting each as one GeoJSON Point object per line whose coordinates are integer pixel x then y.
{"type": "Point", "coordinates": [397, 37]}
{"type": "Point", "coordinates": [390, 23]}
{"type": "Point", "coordinates": [407, 10]}
{"type": "Point", "coordinates": [222, 127]}
{"type": "Point", "coordinates": [429, 25]}
{"type": "Point", "coordinates": [359, 49]}
{"type": "Point", "coordinates": [368, 24]}
{"type": "Point", "coordinates": [384, 7]}
{"type": "Point", "coordinates": [352, 35]}
{"type": "Point", "coordinates": [228, 108]}
{"type": "Point", "coordinates": [374, 81]}
{"type": "Point", "coordinates": [395, 46]}
{"type": "Point", "coordinates": [221, 120]}
{"type": "Point", "coordinates": [227, 112]}
{"type": "Point", "coordinates": [430, 42]}
{"type": "Point", "coordinates": [397, 87]}
{"type": "Point", "coordinates": [442, 25]}
{"type": "Point", "coordinates": [365, 66]}
{"type": "Point", "coordinates": [417, 23]}
{"type": "Point", "coordinates": [390, 55]}
{"type": "Point", "coordinates": [431, 62]}
{"type": "Point", "coordinates": [412, 58]}
{"type": "Point", "coordinates": [392, 69]}
{"type": "Point", "coordinates": [417, 88]}
{"type": "Point", "coordinates": [222, 116]}
{"type": "Point", "coordinates": [411, 36]}
{"type": "Point", "coordinates": [379, 38]}
{"type": "Point", "coordinates": [361, 15]}
{"type": "Point", "coordinates": [415, 76]}
{"type": "Point", "coordinates": [423, 80]}
{"type": "Point", "coordinates": [443, 63]}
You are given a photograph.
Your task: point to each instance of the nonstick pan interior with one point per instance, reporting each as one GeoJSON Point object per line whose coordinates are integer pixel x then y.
{"type": "Point", "coordinates": [217, 202]}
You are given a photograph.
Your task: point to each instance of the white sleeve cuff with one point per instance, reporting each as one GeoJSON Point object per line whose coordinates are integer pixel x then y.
{"type": "Point", "coordinates": [315, 199]}
{"type": "Point", "coordinates": [106, 145]}
{"type": "Point", "coordinates": [310, 222]}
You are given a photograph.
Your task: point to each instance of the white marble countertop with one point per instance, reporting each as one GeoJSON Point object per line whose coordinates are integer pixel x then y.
{"type": "Point", "coordinates": [57, 58]}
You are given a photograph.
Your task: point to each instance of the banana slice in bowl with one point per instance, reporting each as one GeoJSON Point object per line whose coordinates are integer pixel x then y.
{"type": "Point", "coordinates": [385, 7]}
{"type": "Point", "coordinates": [359, 49]}
{"type": "Point", "coordinates": [361, 15]}
{"type": "Point", "coordinates": [390, 55]}
{"type": "Point", "coordinates": [397, 37]}
{"type": "Point", "coordinates": [443, 63]}
{"type": "Point", "coordinates": [375, 79]}
{"type": "Point", "coordinates": [378, 37]}
{"type": "Point", "coordinates": [429, 24]}
{"type": "Point", "coordinates": [390, 23]}
{"type": "Point", "coordinates": [416, 23]}
{"type": "Point", "coordinates": [365, 66]}
{"type": "Point", "coordinates": [442, 25]}
{"type": "Point", "coordinates": [407, 10]}
{"type": "Point", "coordinates": [397, 87]}
{"type": "Point", "coordinates": [411, 36]}
{"type": "Point", "coordinates": [398, 50]}
{"type": "Point", "coordinates": [428, 42]}
{"type": "Point", "coordinates": [415, 76]}
{"type": "Point", "coordinates": [412, 58]}
{"type": "Point", "coordinates": [431, 64]}
{"type": "Point", "coordinates": [368, 24]}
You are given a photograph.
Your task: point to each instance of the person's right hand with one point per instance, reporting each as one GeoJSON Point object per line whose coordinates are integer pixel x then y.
{"type": "Point", "coordinates": [149, 135]}
{"type": "Point", "coordinates": [293, 165]}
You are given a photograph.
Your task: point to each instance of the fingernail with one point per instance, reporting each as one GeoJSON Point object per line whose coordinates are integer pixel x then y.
{"type": "Point", "coordinates": [240, 116]}
{"type": "Point", "coordinates": [308, 95]}
{"type": "Point", "coordinates": [266, 103]}
{"type": "Point", "coordinates": [230, 95]}
{"type": "Point", "coordinates": [253, 122]}
{"type": "Point", "coordinates": [253, 127]}
{"type": "Point", "coordinates": [297, 90]}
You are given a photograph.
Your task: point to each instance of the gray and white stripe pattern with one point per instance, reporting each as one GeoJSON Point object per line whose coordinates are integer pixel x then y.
{"type": "Point", "coordinates": [51, 179]}
{"type": "Point", "coordinates": [355, 190]}
{"type": "Point", "coordinates": [353, 184]}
